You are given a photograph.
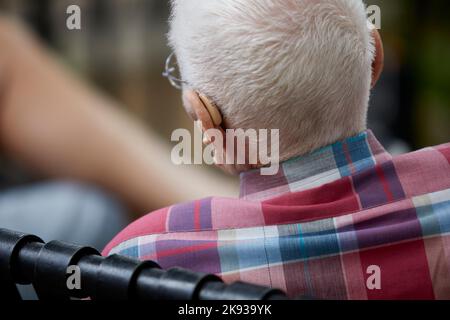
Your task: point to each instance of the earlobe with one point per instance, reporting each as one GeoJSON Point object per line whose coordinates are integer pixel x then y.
{"type": "Point", "coordinates": [378, 62]}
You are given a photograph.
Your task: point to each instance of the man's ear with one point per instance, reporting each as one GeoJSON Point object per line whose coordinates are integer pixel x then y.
{"type": "Point", "coordinates": [378, 62]}
{"type": "Point", "coordinates": [201, 109]}
{"type": "Point", "coordinates": [206, 116]}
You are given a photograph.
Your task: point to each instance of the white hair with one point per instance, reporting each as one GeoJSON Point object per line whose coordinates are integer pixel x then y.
{"type": "Point", "coordinates": [301, 66]}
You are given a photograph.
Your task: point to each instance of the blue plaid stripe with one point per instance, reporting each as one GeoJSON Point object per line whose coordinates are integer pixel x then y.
{"type": "Point", "coordinates": [354, 152]}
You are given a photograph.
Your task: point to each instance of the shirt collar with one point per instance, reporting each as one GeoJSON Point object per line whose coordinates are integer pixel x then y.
{"type": "Point", "coordinates": [326, 165]}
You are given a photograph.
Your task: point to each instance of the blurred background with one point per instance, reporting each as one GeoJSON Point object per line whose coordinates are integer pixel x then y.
{"type": "Point", "coordinates": [122, 49]}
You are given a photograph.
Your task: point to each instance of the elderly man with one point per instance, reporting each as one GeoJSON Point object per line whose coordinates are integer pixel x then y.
{"type": "Point", "coordinates": [342, 218]}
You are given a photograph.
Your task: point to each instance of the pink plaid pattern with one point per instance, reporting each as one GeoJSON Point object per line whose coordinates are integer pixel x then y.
{"type": "Point", "coordinates": [316, 227]}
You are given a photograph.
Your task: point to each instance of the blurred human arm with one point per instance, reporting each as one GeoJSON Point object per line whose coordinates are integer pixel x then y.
{"type": "Point", "coordinates": [58, 126]}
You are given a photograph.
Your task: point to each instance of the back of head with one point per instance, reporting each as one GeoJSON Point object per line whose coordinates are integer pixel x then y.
{"type": "Point", "coordinates": [301, 66]}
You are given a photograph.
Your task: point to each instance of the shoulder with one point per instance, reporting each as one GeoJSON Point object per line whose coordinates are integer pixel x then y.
{"type": "Point", "coordinates": [152, 223]}
{"type": "Point", "coordinates": [196, 216]}
{"type": "Point", "coordinates": [439, 155]}
{"type": "Point", "coordinates": [444, 149]}
{"type": "Point", "coordinates": [424, 171]}
{"type": "Point", "coordinates": [184, 217]}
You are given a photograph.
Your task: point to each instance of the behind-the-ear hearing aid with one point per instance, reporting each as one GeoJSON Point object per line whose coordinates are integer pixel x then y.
{"type": "Point", "coordinates": [212, 109]}
{"type": "Point", "coordinates": [207, 116]}
{"type": "Point", "coordinates": [203, 111]}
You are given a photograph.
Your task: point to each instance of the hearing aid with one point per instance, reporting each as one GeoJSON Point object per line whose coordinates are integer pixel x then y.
{"type": "Point", "coordinates": [212, 109]}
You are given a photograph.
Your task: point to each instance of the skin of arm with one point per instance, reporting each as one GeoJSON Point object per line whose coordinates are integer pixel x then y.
{"type": "Point", "coordinates": [61, 128]}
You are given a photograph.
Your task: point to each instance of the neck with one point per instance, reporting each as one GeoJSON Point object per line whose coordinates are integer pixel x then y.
{"type": "Point", "coordinates": [324, 165]}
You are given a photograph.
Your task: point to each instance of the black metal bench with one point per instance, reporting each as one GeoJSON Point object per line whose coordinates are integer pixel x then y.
{"type": "Point", "coordinates": [26, 259]}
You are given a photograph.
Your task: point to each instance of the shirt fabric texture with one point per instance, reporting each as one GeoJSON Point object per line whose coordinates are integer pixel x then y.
{"type": "Point", "coordinates": [319, 228]}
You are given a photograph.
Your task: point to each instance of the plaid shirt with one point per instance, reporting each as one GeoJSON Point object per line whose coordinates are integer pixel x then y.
{"type": "Point", "coordinates": [318, 227]}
